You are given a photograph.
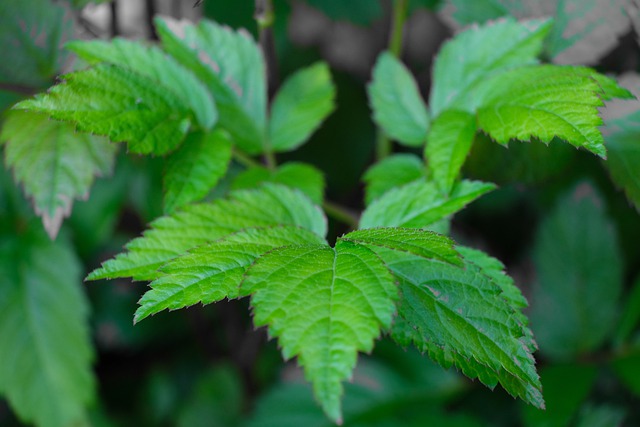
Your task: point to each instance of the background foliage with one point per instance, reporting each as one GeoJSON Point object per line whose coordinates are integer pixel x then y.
{"type": "Point", "coordinates": [564, 222]}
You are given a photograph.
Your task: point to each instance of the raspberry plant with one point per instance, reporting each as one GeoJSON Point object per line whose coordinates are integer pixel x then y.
{"type": "Point", "coordinates": [199, 98]}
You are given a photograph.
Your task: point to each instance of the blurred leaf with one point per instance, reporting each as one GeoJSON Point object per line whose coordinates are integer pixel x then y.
{"type": "Point", "coordinates": [325, 305]}
{"type": "Point", "coordinates": [153, 63]}
{"type": "Point", "coordinates": [477, 52]}
{"type": "Point", "coordinates": [397, 106]}
{"type": "Point", "coordinates": [216, 400]}
{"type": "Point", "coordinates": [195, 225]}
{"type": "Point", "coordinates": [627, 369]}
{"type": "Point", "coordinates": [46, 352]}
{"type": "Point", "coordinates": [583, 30]}
{"type": "Point", "coordinates": [458, 316]}
{"type": "Point", "coordinates": [230, 64]}
{"type": "Point", "coordinates": [304, 100]}
{"type": "Point", "coordinates": [448, 144]}
{"type": "Point", "coordinates": [302, 176]}
{"type": "Point", "coordinates": [601, 416]}
{"type": "Point", "coordinates": [394, 171]}
{"type": "Point", "coordinates": [565, 388]}
{"type": "Point", "coordinates": [31, 33]}
{"type": "Point", "coordinates": [361, 12]}
{"type": "Point", "coordinates": [195, 168]}
{"type": "Point", "coordinates": [579, 276]}
{"type": "Point", "coordinates": [420, 204]}
{"type": "Point", "coordinates": [630, 314]}
{"type": "Point", "coordinates": [54, 163]}
{"type": "Point", "coordinates": [399, 390]}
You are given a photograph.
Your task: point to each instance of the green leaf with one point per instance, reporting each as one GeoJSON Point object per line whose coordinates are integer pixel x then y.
{"type": "Point", "coordinates": [420, 204]}
{"type": "Point", "coordinates": [46, 353]}
{"type": "Point", "coordinates": [302, 176]}
{"type": "Point", "coordinates": [543, 102]}
{"type": "Point", "coordinates": [579, 276]}
{"type": "Point", "coordinates": [394, 171]}
{"type": "Point", "coordinates": [118, 103]}
{"type": "Point", "coordinates": [582, 32]}
{"type": "Point", "coordinates": [397, 106]}
{"type": "Point", "coordinates": [32, 32]}
{"type": "Point", "coordinates": [630, 317]}
{"type": "Point", "coordinates": [565, 389]}
{"type": "Point", "coordinates": [324, 305]}
{"type": "Point", "coordinates": [151, 62]}
{"type": "Point", "coordinates": [361, 12]}
{"type": "Point", "coordinates": [460, 317]}
{"type": "Point", "coordinates": [481, 51]}
{"type": "Point", "coordinates": [54, 163]}
{"type": "Point", "coordinates": [231, 66]}
{"type": "Point", "coordinates": [213, 271]}
{"type": "Point", "coordinates": [302, 103]}
{"type": "Point", "coordinates": [195, 225]}
{"type": "Point", "coordinates": [601, 416]}
{"type": "Point", "coordinates": [627, 369]}
{"type": "Point", "coordinates": [195, 168]}
{"type": "Point", "coordinates": [422, 243]}
{"type": "Point", "coordinates": [448, 145]}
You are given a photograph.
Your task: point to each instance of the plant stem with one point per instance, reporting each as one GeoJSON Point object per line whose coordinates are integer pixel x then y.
{"type": "Point", "coordinates": [340, 213]}
{"type": "Point", "coordinates": [383, 143]}
{"type": "Point", "coordinates": [397, 27]}
{"type": "Point", "coordinates": [264, 18]}
{"type": "Point", "coordinates": [244, 159]}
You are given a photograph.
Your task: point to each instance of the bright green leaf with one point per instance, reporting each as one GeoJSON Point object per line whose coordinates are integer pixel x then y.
{"type": "Point", "coordinates": [420, 204]}
{"type": "Point", "coordinates": [46, 353]}
{"type": "Point", "coordinates": [213, 271]}
{"type": "Point", "coordinates": [195, 225]}
{"type": "Point", "coordinates": [448, 145]}
{"type": "Point", "coordinates": [543, 102]}
{"type": "Point", "coordinates": [302, 176]}
{"type": "Point", "coordinates": [324, 305]}
{"type": "Point", "coordinates": [394, 171]}
{"type": "Point", "coordinates": [154, 64]}
{"type": "Point", "coordinates": [579, 276]}
{"type": "Point", "coordinates": [481, 51]}
{"type": "Point", "coordinates": [460, 317]}
{"type": "Point", "coordinates": [422, 243]}
{"type": "Point", "coordinates": [231, 65]}
{"type": "Point", "coordinates": [118, 103]}
{"type": "Point", "coordinates": [54, 163]}
{"type": "Point", "coordinates": [302, 103]}
{"type": "Point", "coordinates": [195, 168]}
{"type": "Point", "coordinates": [397, 106]}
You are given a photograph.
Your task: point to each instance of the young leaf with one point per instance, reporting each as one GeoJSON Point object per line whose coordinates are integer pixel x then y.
{"type": "Point", "coordinates": [324, 305]}
{"type": "Point", "coordinates": [459, 316]}
{"type": "Point", "coordinates": [195, 225]}
{"type": "Point", "coordinates": [46, 353]}
{"type": "Point", "coordinates": [195, 168]}
{"type": "Point", "coordinates": [422, 243]}
{"type": "Point", "coordinates": [420, 204]}
{"type": "Point", "coordinates": [212, 272]}
{"type": "Point", "coordinates": [448, 145]}
{"type": "Point", "coordinates": [54, 163]}
{"type": "Point", "coordinates": [231, 66]}
{"type": "Point", "coordinates": [543, 102]}
{"type": "Point", "coordinates": [397, 106]}
{"type": "Point", "coordinates": [579, 276]}
{"type": "Point", "coordinates": [154, 64]}
{"type": "Point", "coordinates": [479, 52]}
{"type": "Point", "coordinates": [302, 176]}
{"type": "Point", "coordinates": [394, 171]}
{"type": "Point", "coordinates": [302, 103]}
{"type": "Point", "coordinates": [582, 32]}
{"type": "Point", "coordinates": [118, 103]}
